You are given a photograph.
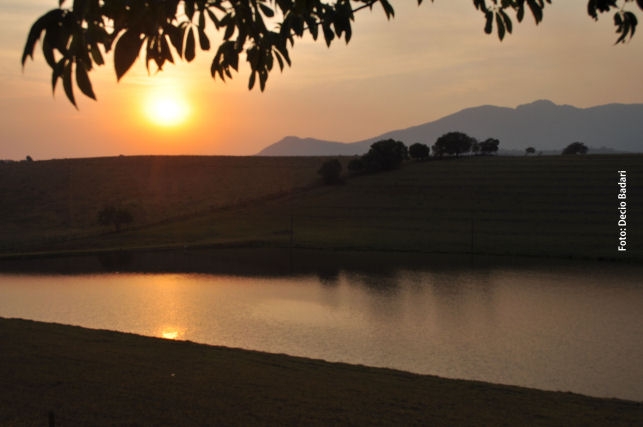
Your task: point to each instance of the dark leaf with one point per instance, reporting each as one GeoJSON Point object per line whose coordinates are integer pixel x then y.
{"type": "Point", "coordinates": [213, 18]}
{"type": "Point", "coordinates": [176, 38]}
{"type": "Point", "coordinates": [266, 10]}
{"type": "Point", "coordinates": [202, 21]}
{"type": "Point", "coordinates": [97, 56]}
{"type": "Point", "coordinates": [190, 46]}
{"type": "Point", "coordinates": [536, 10]}
{"type": "Point", "coordinates": [48, 49]}
{"type": "Point", "coordinates": [501, 27]}
{"type": "Point", "coordinates": [67, 83]}
{"type": "Point", "coordinates": [189, 8]}
{"type": "Point", "coordinates": [56, 73]}
{"type": "Point", "coordinates": [204, 42]}
{"type": "Point", "coordinates": [126, 51]}
{"type": "Point", "coordinates": [166, 53]}
{"type": "Point", "coordinates": [640, 3]}
{"type": "Point", "coordinates": [506, 20]}
{"type": "Point", "coordinates": [48, 20]}
{"type": "Point", "coordinates": [82, 80]}
{"type": "Point", "coordinates": [251, 82]}
{"type": "Point", "coordinates": [388, 9]}
{"type": "Point", "coordinates": [489, 24]}
{"type": "Point", "coordinates": [521, 12]}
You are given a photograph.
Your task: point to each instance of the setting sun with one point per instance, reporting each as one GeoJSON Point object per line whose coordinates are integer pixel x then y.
{"type": "Point", "coordinates": [166, 109]}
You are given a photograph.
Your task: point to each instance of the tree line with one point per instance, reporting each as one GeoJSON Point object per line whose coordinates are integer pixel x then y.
{"type": "Point", "coordinates": [389, 154]}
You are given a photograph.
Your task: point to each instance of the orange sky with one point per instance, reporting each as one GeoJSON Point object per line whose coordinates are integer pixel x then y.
{"type": "Point", "coordinates": [430, 61]}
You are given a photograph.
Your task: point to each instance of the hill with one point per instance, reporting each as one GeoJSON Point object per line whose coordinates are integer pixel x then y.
{"type": "Point", "coordinates": [563, 206]}
{"type": "Point", "coordinates": [541, 124]}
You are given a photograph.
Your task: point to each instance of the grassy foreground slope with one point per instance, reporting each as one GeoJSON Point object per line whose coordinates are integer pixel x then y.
{"type": "Point", "coordinates": [89, 377]}
{"type": "Point", "coordinates": [542, 206]}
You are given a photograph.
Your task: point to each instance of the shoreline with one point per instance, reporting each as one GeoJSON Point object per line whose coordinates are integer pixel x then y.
{"type": "Point", "coordinates": [97, 377]}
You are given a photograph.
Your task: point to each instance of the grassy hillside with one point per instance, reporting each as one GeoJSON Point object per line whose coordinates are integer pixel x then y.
{"type": "Point", "coordinates": [57, 199]}
{"type": "Point", "coordinates": [75, 376]}
{"type": "Point", "coordinates": [544, 206]}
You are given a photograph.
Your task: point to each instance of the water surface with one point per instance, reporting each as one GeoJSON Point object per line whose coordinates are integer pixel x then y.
{"type": "Point", "coordinates": [571, 327]}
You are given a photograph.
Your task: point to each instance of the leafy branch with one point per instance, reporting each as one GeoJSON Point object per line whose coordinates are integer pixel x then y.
{"type": "Point", "coordinates": [75, 39]}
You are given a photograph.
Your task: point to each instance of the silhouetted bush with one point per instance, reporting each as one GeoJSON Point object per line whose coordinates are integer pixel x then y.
{"type": "Point", "coordinates": [385, 155]}
{"type": "Point", "coordinates": [489, 146]}
{"type": "Point", "coordinates": [356, 165]}
{"type": "Point", "coordinates": [453, 143]}
{"type": "Point", "coordinates": [530, 150]}
{"type": "Point", "coordinates": [330, 171]}
{"type": "Point", "coordinates": [419, 151]}
{"type": "Point", "coordinates": [575, 148]}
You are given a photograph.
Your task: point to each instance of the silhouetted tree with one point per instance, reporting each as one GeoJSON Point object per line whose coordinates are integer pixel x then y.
{"type": "Point", "coordinates": [575, 148]}
{"type": "Point", "coordinates": [76, 37]}
{"type": "Point", "coordinates": [113, 216]}
{"type": "Point", "coordinates": [489, 146]}
{"type": "Point", "coordinates": [453, 143]}
{"type": "Point", "coordinates": [419, 151]}
{"type": "Point", "coordinates": [475, 147]}
{"type": "Point", "coordinates": [530, 150]}
{"type": "Point", "coordinates": [330, 171]}
{"type": "Point", "coordinates": [29, 159]}
{"type": "Point", "coordinates": [385, 155]}
{"type": "Point", "coordinates": [356, 165]}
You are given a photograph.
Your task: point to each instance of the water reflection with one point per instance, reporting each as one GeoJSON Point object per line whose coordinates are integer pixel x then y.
{"type": "Point", "coordinates": [562, 326]}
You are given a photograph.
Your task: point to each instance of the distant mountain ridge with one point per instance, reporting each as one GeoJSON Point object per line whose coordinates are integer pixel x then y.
{"type": "Point", "coordinates": [542, 124]}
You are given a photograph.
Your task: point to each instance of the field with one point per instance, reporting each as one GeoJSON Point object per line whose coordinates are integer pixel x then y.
{"type": "Point", "coordinates": [75, 376]}
{"type": "Point", "coordinates": [561, 206]}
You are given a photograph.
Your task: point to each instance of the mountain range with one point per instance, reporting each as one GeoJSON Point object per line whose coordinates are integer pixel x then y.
{"type": "Point", "coordinates": [542, 124]}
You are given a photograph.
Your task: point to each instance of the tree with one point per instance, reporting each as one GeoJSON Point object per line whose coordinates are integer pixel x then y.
{"type": "Point", "coordinates": [530, 150]}
{"type": "Point", "coordinates": [489, 146]}
{"type": "Point", "coordinates": [385, 155]}
{"type": "Point", "coordinates": [113, 216]}
{"type": "Point", "coordinates": [356, 165]}
{"type": "Point", "coordinates": [453, 143]}
{"type": "Point", "coordinates": [74, 38]}
{"type": "Point", "coordinates": [575, 148]}
{"type": "Point", "coordinates": [330, 171]}
{"type": "Point", "coordinates": [29, 159]}
{"type": "Point", "coordinates": [419, 151]}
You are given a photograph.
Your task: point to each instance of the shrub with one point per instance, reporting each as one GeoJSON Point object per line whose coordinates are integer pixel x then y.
{"type": "Point", "coordinates": [330, 171]}
{"type": "Point", "coordinates": [419, 151]}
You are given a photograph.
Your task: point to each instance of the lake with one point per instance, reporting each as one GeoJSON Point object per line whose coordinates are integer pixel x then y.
{"type": "Point", "coordinates": [570, 326]}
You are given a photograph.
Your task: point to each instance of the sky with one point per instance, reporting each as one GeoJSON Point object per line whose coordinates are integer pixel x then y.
{"type": "Point", "coordinates": [428, 62]}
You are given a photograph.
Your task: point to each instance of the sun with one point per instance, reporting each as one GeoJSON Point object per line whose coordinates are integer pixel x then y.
{"type": "Point", "coordinates": [166, 109]}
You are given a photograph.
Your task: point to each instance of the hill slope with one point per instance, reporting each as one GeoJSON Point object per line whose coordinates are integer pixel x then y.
{"type": "Point", "coordinates": [564, 206]}
{"type": "Point", "coordinates": [541, 124]}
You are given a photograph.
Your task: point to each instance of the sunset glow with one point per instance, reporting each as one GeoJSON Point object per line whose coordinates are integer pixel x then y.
{"type": "Point", "coordinates": [166, 109]}
{"type": "Point", "coordinates": [426, 63]}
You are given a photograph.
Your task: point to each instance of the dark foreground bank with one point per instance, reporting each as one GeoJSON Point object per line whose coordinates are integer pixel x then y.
{"type": "Point", "coordinates": [89, 377]}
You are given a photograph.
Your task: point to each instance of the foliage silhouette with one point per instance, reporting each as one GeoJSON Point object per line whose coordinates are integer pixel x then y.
{"type": "Point", "coordinates": [356, 165]}
{"type": "Point", "coordinates": [453, 143]}
{"type": "Point", "coordinates": [385, 155]}
{"type": "Point", "coordinates": [489, 146]}
{"type": "Point", "coordinates": [575, 148]}
{"type": "Point", "coordinates": [530, 150]}
{"type": "Point", "coordinates": [330, 171]}
{"type": "Point", "coordinates": [75, 38]}
{"type": "Point", "coordinates": [419, 151]}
